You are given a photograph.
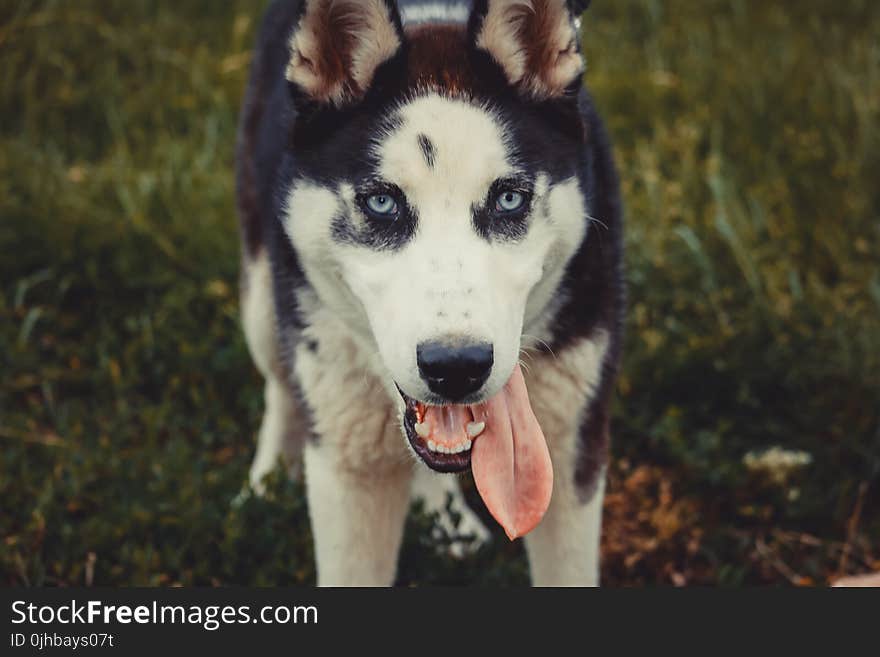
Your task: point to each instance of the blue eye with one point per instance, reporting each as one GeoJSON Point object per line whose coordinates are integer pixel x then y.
{"type": "Point", "coordinates": [510, 201]}
{"type": "Point", "coordinates": [382, 205]}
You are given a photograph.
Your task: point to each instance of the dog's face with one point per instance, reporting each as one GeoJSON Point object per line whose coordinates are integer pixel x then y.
{"type": "Point", "coordinates": [436, 199]}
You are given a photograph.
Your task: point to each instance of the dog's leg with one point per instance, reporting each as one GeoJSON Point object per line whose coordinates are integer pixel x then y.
{"type": "Point", "coordinates": [564, 548]}
{"type": "Point", "coordinates": [358, 469]}
{"type": "Point", "coordinates": [357, 518]}
{"type": "Point", "coordinates": [435, 490]}
{"type": "Point", "coordinates": [282, 435]}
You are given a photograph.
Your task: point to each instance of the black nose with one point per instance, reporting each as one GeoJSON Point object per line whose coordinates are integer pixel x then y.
{"type": "Point", "coordinates": [456, 371]}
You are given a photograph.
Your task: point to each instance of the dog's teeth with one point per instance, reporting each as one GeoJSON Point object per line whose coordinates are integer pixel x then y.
{"type": "Point", "coordinates": [423, 429]}
{"type": "Point", "coordinates": [474, 429]}
{"type": "Point", "coordinates": [440, 448]}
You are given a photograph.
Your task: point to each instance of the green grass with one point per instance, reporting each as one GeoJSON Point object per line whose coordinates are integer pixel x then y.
{"type": "Point", "coordinates": [748, 137]}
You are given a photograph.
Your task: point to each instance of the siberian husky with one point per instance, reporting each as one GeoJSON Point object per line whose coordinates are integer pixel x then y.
{"type": "Point", "coordinates": [431, 277]}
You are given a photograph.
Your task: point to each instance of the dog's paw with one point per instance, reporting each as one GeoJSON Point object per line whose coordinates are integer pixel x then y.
{"type": "Point", "coordinates": [262, 474]}
{"type": "Point", "coordinates": [257, 477]}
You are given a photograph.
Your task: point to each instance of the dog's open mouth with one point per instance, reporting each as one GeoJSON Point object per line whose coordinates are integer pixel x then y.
{"type": "Point", "coordinates": [502, 443]}
{"type": "Point", "coordinates": [442, 436]}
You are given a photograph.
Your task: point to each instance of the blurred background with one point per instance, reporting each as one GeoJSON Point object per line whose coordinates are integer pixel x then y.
{"type": "Point", "coordinates": [746, 437]}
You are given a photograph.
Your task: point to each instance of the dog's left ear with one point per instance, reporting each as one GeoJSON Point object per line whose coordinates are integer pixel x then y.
{"type": "Point", "coordinates": [533, 41]}
{"type": "Point", "coordinates": [338, 45]}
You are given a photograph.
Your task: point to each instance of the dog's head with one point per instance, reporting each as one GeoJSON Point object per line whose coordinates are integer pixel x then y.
{"type": "Point", "coordinates": [437, 194]}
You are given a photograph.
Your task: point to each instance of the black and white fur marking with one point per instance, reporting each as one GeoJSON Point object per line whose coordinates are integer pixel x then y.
{"type": "Point", "coordinates": [434, 110]}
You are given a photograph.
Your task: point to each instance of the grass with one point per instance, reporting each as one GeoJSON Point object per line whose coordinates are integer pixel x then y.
{"type": "Point", "coordinates": [748, 137]}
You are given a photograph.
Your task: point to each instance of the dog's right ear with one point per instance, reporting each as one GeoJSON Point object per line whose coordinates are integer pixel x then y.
{"type": "Point", "coordinates": [533, 42]}
{"type": "Point", "coordinates": [338, 45]}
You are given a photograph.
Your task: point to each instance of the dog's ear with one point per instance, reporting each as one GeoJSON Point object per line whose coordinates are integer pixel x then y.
{"type": "Point", "coordinates": [338, 45]}
{"type": "Point", "coordinates": [534, 42]}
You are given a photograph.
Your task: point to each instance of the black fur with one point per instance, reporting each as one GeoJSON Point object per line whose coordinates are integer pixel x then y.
{"type": "Point", "coordinates": [428, 150]}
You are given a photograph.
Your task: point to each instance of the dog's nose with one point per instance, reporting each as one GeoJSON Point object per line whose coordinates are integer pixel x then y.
{"type": "Point", "coordinates": [454, 371]}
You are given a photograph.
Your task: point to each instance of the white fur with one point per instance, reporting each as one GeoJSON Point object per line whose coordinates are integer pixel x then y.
{"type": "Point", "coordinates": [462, 285]}
{"type": "Point", "coordinates": [310, 212]}
{"type": "Point", "coordinates": [561, 383]}
{"type": "Point", "coordinates": [358, 473]}
{"type": "Point", "coordinates": [564, 548]}
{"type": "Point", "coordinates": [566, 211]}
{"type": "Point", "coordinates": [351, 408]}
{"type": "Point", "coordinates": [280, 435]}
{"type": "Point", "coordinates": [435, 12]}
{"type": "Point", "coordinates": [357, 517]}
{"type": "Point", "coordinates": [258, 315]}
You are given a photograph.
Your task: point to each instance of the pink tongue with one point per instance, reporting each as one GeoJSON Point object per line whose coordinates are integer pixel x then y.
{"type": "Point", "coordinates": [510, 460]}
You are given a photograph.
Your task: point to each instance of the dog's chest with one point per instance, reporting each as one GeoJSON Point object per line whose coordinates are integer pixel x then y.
{"type": "Point", "coordinates": [350, 407]}
{"type": "Point", "coordinates": [342, 381]}
{"type": "Point", "coordinates": [561, 386]}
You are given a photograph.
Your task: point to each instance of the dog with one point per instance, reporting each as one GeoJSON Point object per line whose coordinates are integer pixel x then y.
{"type": "Point", "coordinates": [431, 273]}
